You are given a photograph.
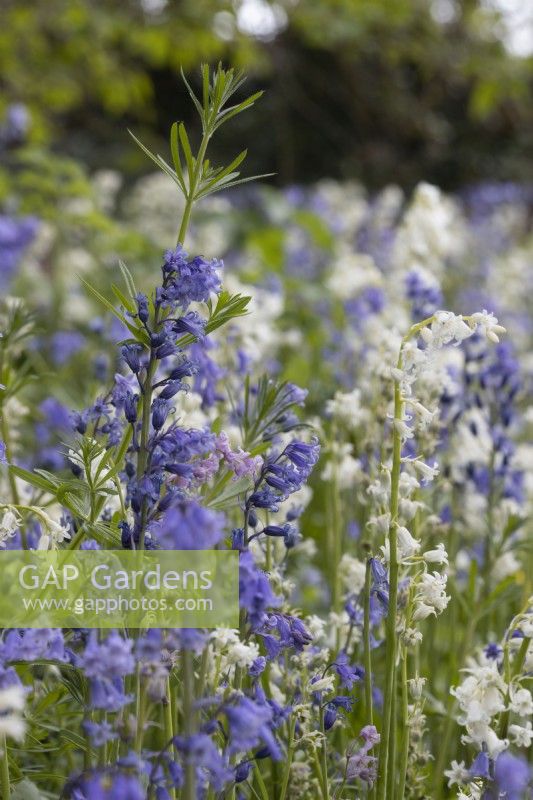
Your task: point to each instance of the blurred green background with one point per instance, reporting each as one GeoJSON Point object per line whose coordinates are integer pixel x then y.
{"type": "Point", "coordinates": [378, 90]}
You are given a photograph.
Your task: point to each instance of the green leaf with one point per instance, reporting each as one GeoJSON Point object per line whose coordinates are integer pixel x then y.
{"type": "Point", "coordinates": [232, 111]}
{"type": "Point", "coordinates": [49, 699]}
{"type": "Point", "coordinates": [175, 150]}
{"type": "Point", "coordinates": [145, 150]}
{"type": "Point", "coordinates": [139, 333]}
{"type": "Point", "coordinates": [228, 307]}
{"type": "Point", "coordinates": [224, 173]}
{"type": "Point", "coordinates": [184, 139]}
{"type": "Point", "coordinates": [128, 305]}
{"type": "Point", "coordinates": [472, 574]}
{"type": "Point", "coordinates": [216, 425]}
{"type": "Point", "coordinates": [161, 163]}
{"type": "Point", "coordinates": [513, 524]}
{"type": "Point", "coordinates": [74, 738]}
{"type": "Point", "coordinates": [128, 279]}
{"type": "Point", "coordinates": [205, 84]}
{"type": "Point", "coordinates": [34, 479]}
{"type": "Point", "coordinates": [76, 684]}
{"type": "Point", "coordinates": [104, 301]}
{"type": "Point", "coordinates": [192, 95]}
{"type": "Point", "coordinates": [105, 535]}
{"type": "Point", "coordinates": [236, 183]}
{"type": "Point", "coordinates": [74, 504]}
{"type": "Point", "coordinates": [501, 592]}
{"type": "Point", "coordinates": [228, 497]}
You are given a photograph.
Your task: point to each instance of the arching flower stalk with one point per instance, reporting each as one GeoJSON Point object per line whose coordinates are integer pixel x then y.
{"type": "Point", "coordinates": [417, 352]}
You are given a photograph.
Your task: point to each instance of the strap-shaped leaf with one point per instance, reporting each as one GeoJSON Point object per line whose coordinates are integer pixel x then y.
{"type": "Point", "coordinates": [193, 96]}
{"type": "Point", "coordinates": [235, 183]}
{"type": "Point", "coordinates": [160, 162]}
{"type": "Point", "coordinates": [38, 481]}
{"type": "Point", "coordinates": [205, 85]}
{"type": "Point", "coordinates": [232, 111]}
{"type": "Point", "coordinates": [229, 496]}
{"type": "Point", "coordinates": [128, 279]}
{"type": "Point", "coordinates": [184, 139]}
{"type": "Point", "coordinates": [175, 150]}
{"type": "Point", "coordinates": [126, 302]}
{"type": "Point", "coordinates": [220, 174]}
{"type": "Point", "coordinates": [139, 333]}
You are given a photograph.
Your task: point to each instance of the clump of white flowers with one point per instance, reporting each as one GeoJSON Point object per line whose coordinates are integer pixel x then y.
{"type": "Point", "coordinates": [352, 573]}
{"type": "Point", "coordinates": [347, 410]}
{"type": "Point", "coordinates": [431, 597]}
{"type": "Point", "coordinates": [231, 651]}
{"type": "Point", "coordinates": [496, 709]}
{"type": "Point", "coordinates": [342, 467]}
{"type": "Point", "coordinates": [482, 697]}
{"type": "Point", "coordinates": [429, 231]}
{"type": "Point", "coordinates": [12, 702]}
{"type": "Point", "coordinates": [442, 329]}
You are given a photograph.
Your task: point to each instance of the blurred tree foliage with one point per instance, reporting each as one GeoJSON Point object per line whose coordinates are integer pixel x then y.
{"type": "Point", "coordinates": [381, 90]}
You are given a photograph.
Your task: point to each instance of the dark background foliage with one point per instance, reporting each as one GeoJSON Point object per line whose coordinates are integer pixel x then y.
{"type": "Point", "coordinates": [380, 90]}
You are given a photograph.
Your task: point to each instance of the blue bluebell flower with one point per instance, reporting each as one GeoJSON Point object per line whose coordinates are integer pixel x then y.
{"type": "Point", "coordinates": [15, 236]}
{"type": "Point", "coordinates": [201, 751]}
{"type": "Point", "coordinates": [33, 644]}
{"type": "Point", "coordinates": [481, 766]}
{"type": "Point", "coordinates": [106, 785]}
{"type": "Point", "coordinates": [131, 354]}
{"type": "Point", "coordinates": [189, 526]}
{"type": "Point", "coordinates": [332, 707]}
{"type": "Point", "coordinates": [250, 724]}
{"type": "Point", "coordinates": [347, 673]}
{"type": "Point", "coordinates": [255, 592]}
{"type": "Point", "coordinates": [186, 282]}
{"type": "Point", "coordinates": [111, 658]}
{"type": "Point", "coordinates": [512, 776]}
{"type": "Point", "coordinates": [64, 345]}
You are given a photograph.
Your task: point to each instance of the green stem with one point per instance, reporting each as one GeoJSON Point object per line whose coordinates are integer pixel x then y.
{"type": "Point", "coordinates": [4, 770]}
{"type": "Point", "coordinates": [139, 711]}
{"type": "Point", "coordinates": [189, 202]}
{"type": "Point", "coordinates": [5, 437]}
{"type": "Point", "coordinates": [290, 755]}
{"type": "Point", "coordinates": [517, 667]}
{"type": "Point", "coordinates": [324, 753]}
{"type": "Point", "coordinates": [388, 733]}
{"type": "Point", "coordinates": [366, 645]}
{"type": "Point", "coordinates": [142, 459]}
{"type": "Point", "coordinates": [189, 790]}
{"type": "Point", "coordinates": [88, 746]}
{"type": "Point", "coordinates": [85, 527]}
{"type": "Point", "coordinates": [169, 727]}
{"type": "Point", "coordinates": [405, 729]}
{"type": "Point", "coordinates": [391, 761]}
{"type": "Point", "coordinates": [261, 782]}
{"type": "Point", "coordinates": [445, 737]}
{"type": "Point", "coordinates": [318, 771]}
{"type": "Point", "coordinates": [11, 478]}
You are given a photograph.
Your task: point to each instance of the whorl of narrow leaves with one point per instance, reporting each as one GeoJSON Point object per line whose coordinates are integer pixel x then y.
{"type": "Point", "coordinates": [195, 176]}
